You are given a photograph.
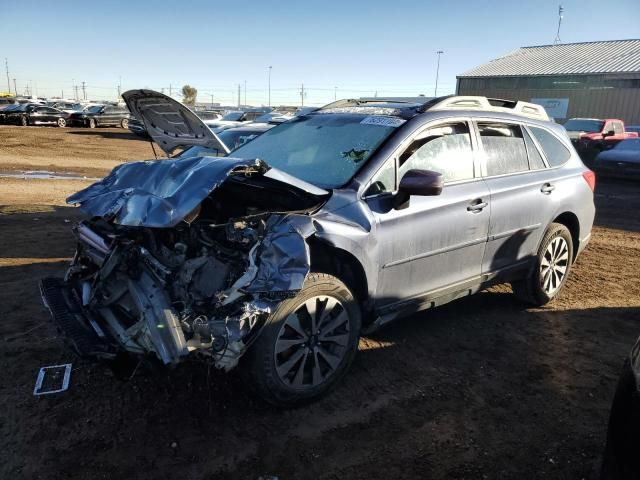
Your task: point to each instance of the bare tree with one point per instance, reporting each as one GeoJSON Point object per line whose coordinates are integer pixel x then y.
{"type": "Point", "coordinates": [189, 95]}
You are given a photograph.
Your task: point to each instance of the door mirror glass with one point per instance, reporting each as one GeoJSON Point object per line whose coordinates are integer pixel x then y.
{"type": "Point", "coordinates": [609, 133]}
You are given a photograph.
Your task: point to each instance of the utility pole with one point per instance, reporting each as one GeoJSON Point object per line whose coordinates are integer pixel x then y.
{"type": "Point", "coordinates": [270, 67]}
{"type": "Point", "coordinates": [84, 91]}
{"type": "Point", "coordinates": [212, 100]}
{"type": "Point", "coordinates": [238, 95]}
{"type": "Point", "coordinates": [335, 93]}
{"type": "Point", "coordinates": [560, 11]}
{"type": "Point", "coordinates": [302, 95]}
{"type": "Point", "coordinates": [119, 87]}
{"type": "Point", "coordinates": [435, 90]}
{"type": "Point", "coordinates": [15, 89]}
{"type": "Point", "coordinates": [245, 93]}
{"type": "Point", "coordinates": [170, 90]}
{"type": "Point", "coordinates": [6, 64]}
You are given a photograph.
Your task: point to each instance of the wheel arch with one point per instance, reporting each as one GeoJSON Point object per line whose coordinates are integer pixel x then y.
{"type": "Point", "coordinates": [344, 265]}
{"type": "Point", "coordinates": [570, 220]}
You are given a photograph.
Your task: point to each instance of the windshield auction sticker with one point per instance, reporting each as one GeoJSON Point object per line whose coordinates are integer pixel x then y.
{"type": "Point", "coordinates": [383, 121]}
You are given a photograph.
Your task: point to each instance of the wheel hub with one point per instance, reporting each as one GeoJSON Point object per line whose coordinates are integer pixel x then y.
{"type": "Point", "coordinates": [312, 342]}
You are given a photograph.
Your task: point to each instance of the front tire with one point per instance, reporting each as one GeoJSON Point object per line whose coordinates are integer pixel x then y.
{"type": "Point", "coordinates": [62, 123]}
{"type": "Point", "coordinates": [307, 345]}
{"type": "Point", "coordinates": [124, 123]}
{"type": "Point", "coordinates": [91, 123]}
{"type": "Point", "coordinates": [24, 121]}
{"type": "Point", "coordinates": [552, 267]}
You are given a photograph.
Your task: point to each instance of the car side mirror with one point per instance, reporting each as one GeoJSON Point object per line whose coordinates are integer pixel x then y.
{"type": "Point", "coordinates": [608, 133]}
{"type": "Point", "coordinates": [418, 182]}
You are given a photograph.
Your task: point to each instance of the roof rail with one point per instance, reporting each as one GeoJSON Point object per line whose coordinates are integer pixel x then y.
{"type": "Point", "coordinates": [516, 107]}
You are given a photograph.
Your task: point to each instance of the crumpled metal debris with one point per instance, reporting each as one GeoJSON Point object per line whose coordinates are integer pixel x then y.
{"type": "Point", "coordinates": [52, 379]}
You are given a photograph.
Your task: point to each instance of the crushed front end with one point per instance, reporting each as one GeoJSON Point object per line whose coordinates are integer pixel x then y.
{"type": "Point", "coordinates": [147, 280]}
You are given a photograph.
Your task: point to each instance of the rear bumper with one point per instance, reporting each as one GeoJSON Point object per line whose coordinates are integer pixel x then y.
{"type": "Point", "coordinates": [85, 337]}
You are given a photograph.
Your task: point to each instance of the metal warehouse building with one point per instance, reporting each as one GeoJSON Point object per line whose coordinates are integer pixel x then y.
{"type": "Point", "coordinates": [592, 79]}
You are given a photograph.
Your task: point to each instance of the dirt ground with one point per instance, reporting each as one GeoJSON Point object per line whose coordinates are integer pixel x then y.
{"type": "Point", "coordinates": [479, 389]}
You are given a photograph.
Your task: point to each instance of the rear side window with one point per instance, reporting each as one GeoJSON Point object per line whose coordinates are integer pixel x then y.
{"type": "Point", "coordinates": [504, 148]}
{"type": "Point", "coordinates": [556, 153]}
{"type": "Point", "coordinates": [535, 159]}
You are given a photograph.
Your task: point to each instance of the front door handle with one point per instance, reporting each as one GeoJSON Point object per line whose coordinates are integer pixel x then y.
{"type": "Point", "coordinates": [547, 188]}
{"type": "Point", "coordinates": [477, 206]}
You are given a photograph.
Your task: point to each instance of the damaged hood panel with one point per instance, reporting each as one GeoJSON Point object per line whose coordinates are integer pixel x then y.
{"type": "Point", "coordinates": [170, 123]}
{"type": "Point", "coordinates": [162, 193]}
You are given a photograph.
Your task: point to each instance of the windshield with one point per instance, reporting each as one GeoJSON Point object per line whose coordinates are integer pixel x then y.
{"type": "Point", "coordinates": [631, 144]}
{"type": "Point", "coordinates": [94, 109]}
{"type": "Point", "coordinates": [325, 150]}
{"type": "Point", "coordinates": [233, 116]}
{"type": "Point", "coordinates": [577, 125]}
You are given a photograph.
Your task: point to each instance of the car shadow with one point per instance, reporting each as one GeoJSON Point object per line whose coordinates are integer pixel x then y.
{"type": "Point", "coordinates": [98, 132]}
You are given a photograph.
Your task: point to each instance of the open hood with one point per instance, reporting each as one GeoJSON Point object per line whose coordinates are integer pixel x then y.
{"type": "Point", "coordinates": [170, 123]}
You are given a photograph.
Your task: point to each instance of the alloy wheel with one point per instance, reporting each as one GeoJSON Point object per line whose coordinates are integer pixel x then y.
{"type": "Point", "coordinates": [62, 122]}
{"type": "Point", "coordinates": [312, 342]}
{"type": "Point", "coordinates": [554, 265]}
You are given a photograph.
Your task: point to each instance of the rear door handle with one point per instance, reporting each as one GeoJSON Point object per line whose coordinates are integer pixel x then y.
{"type": "Point", "coordinates": [547, 188]}
{"type": "Point", "coordinates": [477, 206]}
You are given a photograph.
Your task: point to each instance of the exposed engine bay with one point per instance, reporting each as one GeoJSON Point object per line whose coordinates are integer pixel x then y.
{"type": "Point", "coordinates": [203, 284]}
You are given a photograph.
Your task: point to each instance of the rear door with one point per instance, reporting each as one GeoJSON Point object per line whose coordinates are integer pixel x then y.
{"type": "Point", "coordinates": [522, 196]}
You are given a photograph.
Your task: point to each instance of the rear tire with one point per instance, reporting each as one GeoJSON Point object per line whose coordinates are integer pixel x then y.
{"type": "Point", "coordinates": [24, 121]}
{"type": "Point", "coordinates": [91, 123]}
{"type": "Point", "coordinates": [124, 123]}
{"type": "Point", "coordinates": [551, 269]}
{"type": "Point", "coordinates": [62, 123]}
{"type": "Point", "coordinates": [307, 345]}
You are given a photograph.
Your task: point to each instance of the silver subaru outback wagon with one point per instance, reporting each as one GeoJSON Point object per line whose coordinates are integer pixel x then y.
{"type": "Point", "coordinates": [275, 258]}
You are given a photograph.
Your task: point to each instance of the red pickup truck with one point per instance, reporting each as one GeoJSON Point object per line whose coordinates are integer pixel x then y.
{"type": "Point", "coordinates": [591, 136]}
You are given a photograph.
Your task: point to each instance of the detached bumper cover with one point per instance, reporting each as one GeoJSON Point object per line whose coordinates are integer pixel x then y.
{"type": "Point", "coordinates": [68, 315]}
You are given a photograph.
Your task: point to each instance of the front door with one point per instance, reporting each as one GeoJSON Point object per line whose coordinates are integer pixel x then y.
{"type": "Point", "coordinates": [436, 242]}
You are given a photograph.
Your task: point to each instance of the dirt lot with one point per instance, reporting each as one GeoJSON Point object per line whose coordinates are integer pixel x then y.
{"type": "Point", "coordinates": [481, 388]}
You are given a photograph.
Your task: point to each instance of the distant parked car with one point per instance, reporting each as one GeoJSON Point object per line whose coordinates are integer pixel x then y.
{"type": "Point", "coordinates": [101, 116]}
{"type": "Point", "coordinates": [68, 107]}
{"type": "Point", "coordinates": [7, 108]}
{"type": "Point", "coordinates": [235, 119]}
{"type": "Point", "coordinates": [621, 460]}
{"type": "Point", "coordinates": [591, 136]}
{"type": "Point", "coordinates": [31, 114]}
{"type": "Point", "coordinates": [633, 129]}
{"type": "Point", "coordinates": [137, 126]}
{"type": "Point", "coordinates": [623, 160]}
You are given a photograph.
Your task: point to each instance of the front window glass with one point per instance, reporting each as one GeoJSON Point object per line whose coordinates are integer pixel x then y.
{"type": "Point", "coordinates": [444, 149]}
{"type": "Point", "coordinates": [589, 126]}
{"type": "Point", "coordinates": [325, 150]}
{"type": "Point", "coordinates": [94, 109]}
{"type": "Point", "coordinates": [384, 180]}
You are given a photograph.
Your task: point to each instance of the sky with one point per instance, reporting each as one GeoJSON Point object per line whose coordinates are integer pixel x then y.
{"type": "Point", "coordinates": [336, 48]}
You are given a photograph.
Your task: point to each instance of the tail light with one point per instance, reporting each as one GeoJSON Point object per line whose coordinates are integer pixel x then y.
{"type": "Point", "coordinates": [590, 178]}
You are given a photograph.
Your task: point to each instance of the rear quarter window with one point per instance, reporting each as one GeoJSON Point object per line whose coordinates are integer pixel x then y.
{"type": "Point", "coordinates": [557, 154]}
